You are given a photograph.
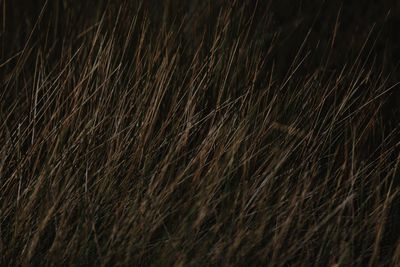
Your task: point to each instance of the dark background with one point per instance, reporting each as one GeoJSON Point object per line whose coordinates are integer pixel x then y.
{"type": "Point", "coordinates": [64, 20]}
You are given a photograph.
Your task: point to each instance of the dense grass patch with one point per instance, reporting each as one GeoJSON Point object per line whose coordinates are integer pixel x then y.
{"type": "Point", "coordinates": [197, 133]}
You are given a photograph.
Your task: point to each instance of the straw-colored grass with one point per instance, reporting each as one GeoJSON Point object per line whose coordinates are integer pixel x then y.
{"type": "Point", "coordinates": [197, 133]}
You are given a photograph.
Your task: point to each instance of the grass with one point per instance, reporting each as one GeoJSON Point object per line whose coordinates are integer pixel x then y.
{"type": "Point", "coordinates": [197, 133]}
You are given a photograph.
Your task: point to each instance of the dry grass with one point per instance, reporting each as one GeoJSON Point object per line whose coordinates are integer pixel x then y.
{"type": "Point", "coordinates": [197, 133]}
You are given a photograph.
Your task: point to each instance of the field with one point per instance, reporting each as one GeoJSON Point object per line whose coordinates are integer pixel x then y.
{"type": "Point", "coordinates": [199, 133]}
